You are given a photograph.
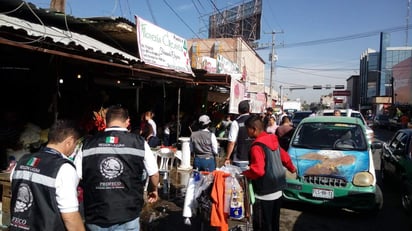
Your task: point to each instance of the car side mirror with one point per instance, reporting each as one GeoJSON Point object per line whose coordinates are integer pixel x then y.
{"type": "Point", "coordinates": [376, 145]}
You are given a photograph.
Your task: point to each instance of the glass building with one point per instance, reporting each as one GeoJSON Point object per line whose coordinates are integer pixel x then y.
{"type": "Point", "coordinates": [385, 77]}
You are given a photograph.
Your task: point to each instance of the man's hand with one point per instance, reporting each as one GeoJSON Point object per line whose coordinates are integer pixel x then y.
{"type": "Point", "coordinates": [152, 196]}
{"type": "Point", "coordinates": [291, 175]}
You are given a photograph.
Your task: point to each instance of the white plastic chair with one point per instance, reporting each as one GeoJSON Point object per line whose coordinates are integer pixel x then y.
{"type": "Point", "coordinates": [166, 158]}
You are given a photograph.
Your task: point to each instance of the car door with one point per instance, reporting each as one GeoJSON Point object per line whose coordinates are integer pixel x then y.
{"type": "Point", "coordinates": [395, 155]}
{"type": "Point", "coordinates": [391, 153]}
{"type": "Point", "coordinates": [406, 160]}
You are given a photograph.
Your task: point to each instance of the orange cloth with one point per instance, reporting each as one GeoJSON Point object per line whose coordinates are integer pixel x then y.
{"type": "Point", "coordinates": [217, 216]}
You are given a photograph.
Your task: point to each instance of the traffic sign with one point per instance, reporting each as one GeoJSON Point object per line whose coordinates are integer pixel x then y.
{"type": "Point", "coordinates": [341, 93]}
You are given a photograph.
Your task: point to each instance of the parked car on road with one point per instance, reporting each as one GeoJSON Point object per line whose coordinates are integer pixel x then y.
{"type": "Point", "coordinates": [381, 121]}
{"type": "Point", "coordinates": [395, 123]}
{"type": "Point", "coordinates": [396, 165]}
{"type": "Point", "coordinates": [334, 165]}
{"type": "Point", "coordinates": [299, 116]}
{"type": "Point", "coordinates": [351, 113]}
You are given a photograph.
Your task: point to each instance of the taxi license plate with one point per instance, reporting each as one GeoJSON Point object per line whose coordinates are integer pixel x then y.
{"type": "Point", "coordinates": [322, 193]}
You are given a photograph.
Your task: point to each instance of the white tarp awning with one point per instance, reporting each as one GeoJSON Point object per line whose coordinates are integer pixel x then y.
{"type": "Point", "coordinates": [62, 36]}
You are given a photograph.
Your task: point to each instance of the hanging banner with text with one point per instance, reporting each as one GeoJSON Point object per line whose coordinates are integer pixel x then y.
{"type": "Point", "coordinates": [161, 48]}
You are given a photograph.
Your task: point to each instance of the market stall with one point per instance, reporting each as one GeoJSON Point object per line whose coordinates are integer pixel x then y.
{"type": "Point", "coordinates": [217, 197]}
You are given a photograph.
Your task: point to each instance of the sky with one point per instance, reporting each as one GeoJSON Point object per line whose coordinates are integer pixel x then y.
{"type": "Point", "coordinates": [317, 42]}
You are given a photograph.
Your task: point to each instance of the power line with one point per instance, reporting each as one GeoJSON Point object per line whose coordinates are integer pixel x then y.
{"type": "Point", "coordinates": [343, 38]}
{"type": "Point", "coordinates": [151, 11]}
{"type": "Point", "coordinates": [319, 69]}
{"type": "Point", "coordinates": [180, 18]}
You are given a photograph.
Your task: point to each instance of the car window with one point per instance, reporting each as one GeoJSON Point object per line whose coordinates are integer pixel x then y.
{"type": "Point", "coordinates": [300, 115]}
{"type": "Point", "coordinates": [402, 142]}
{"type": "Point", "coordinates": [326, 136]}
{"type": "Point", "coordinates": [399, 141]}
{"type": "Point", "coordinates": [331, 113]}
{"type": "Point", "coordinates": [358, 115]}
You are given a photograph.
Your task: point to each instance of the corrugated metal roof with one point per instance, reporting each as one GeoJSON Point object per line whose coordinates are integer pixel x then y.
{"type": "Point", "coordinates": [62, 36]}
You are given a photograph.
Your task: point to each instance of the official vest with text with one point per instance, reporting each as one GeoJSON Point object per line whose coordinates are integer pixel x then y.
{"type": "Point", "coordinates": [243, 142]}
{"type": "Point", "coordinates": [113, 177]}
{"type": "Point", "coordinates": [33, 205]}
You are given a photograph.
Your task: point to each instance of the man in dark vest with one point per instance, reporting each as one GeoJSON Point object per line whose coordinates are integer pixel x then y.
{"type": "Point", "coordinates": [114, 166]}
{"type": "Point", "coordinates": [239, 142]}
{"type": "Point", "coordinates": [44, 185]}
{"type": "Point", "coordinates": [203, 145]}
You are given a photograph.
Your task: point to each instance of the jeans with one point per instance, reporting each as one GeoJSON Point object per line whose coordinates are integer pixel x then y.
{"type": "Point", "coordinates": [133, 225]}
{"type": "Point", "coordinates": [203, 164]}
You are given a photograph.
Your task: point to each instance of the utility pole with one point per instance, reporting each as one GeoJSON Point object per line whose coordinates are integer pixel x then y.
{"type": "Point", "coordinates": [272, 59]}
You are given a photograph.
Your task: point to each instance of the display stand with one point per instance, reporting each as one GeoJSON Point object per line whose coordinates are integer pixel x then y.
{"type": "Point", "coordinates": [248, 203]}
{"type": "Point", "coordinates": [243, 223]}
{"type": "Point", "coordinates": [185, 164]}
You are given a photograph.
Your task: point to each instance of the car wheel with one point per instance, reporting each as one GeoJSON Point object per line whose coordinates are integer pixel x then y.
{"type": "Point", "coordinates": [406, 197]}
{"type": "Point", "coordinates": [374, 211]}
{"type": "Point", "coordinates": [378, 198]}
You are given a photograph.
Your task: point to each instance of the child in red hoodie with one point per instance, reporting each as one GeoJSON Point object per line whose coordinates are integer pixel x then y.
{"type": "Point", "coordinates": [267, 185]}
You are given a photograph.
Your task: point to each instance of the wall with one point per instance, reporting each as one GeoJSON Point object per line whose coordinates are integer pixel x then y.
{"type": "Point", "coordinates": [251, 65]}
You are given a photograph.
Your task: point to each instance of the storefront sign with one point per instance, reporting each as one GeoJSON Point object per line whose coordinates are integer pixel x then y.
{"type": "Point", "coordinates": [208, 64]}
{"type": "Point", "coordinates": [225, 66]}
{"type": "Point", "coordinates": [161, 48]}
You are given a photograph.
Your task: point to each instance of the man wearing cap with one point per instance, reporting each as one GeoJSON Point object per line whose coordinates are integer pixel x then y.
{"type": "Point", "coordinates": [203, 145]}
{"type": "Point", "coordinates": [239, 142]}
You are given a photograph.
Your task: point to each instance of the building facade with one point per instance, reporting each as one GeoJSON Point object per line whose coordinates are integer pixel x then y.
{"type": "Point", "coordinates": [232, 56]}
{"type": "Point", "coordinates": [385, 78]}
{"type": "Point", "coordinates": [353, 100]}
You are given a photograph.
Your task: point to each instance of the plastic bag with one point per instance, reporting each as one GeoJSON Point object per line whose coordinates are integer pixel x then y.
{"type": "Point", "coordinates": [236, 206]}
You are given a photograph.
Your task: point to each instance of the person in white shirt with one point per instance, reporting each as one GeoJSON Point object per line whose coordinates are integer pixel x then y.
{"type": "Point", "coordinates": [204, 146]}
{"type": "Point", "coordinates": [48, 175]}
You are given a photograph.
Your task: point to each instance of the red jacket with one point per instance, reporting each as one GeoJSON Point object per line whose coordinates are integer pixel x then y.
{"type": "Point", "coordinates": [257, 156]}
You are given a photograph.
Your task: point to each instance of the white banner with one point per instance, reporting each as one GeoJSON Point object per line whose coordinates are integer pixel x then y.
{"type": "Point", "coordinates": [161, 48]}
{"type": "Point", "coordinates": [209, 64]}
{"type": "Point", "coordinates": [237, 94]}
{"type": "Point", "coordinates": [225, 66]}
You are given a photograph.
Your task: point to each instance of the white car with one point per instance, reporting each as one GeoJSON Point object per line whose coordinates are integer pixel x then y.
{"type": "Point", "coordinates": [351, 113]}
